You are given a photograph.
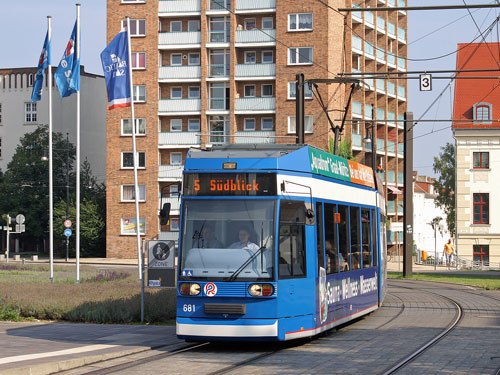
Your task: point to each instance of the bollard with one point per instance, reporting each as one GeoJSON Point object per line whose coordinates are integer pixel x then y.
{"type": "Point", "coordinates": [17, 257]}
{"type": "Point", "coordinates": [34, 258]}
{"type": "Point", "coordinates": [2, 257]}
{"type": "Point", "coordinates": [24, 261]}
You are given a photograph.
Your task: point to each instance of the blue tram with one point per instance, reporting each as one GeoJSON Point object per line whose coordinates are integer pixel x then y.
{"type": "Point", "coordinates": [277, 242]}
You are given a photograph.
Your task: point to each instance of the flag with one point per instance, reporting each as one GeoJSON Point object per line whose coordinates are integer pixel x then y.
{"type": "Point", "coordinates": [115, 65]}
{"type": "Point", "coordinates": [67, 75]}
{"type": "Point", "coordinates": [43, 62]}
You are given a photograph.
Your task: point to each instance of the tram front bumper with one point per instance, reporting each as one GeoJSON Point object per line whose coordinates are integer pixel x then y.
{"type": "Point", "coordinates": [251, 328]}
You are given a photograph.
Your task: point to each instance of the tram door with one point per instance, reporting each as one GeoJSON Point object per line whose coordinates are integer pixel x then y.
{"type": "Point", "coordinates": [296, 291]}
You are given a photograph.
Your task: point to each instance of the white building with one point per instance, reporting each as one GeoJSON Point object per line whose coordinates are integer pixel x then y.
{"type": "Point", "coordinates": [424, 211]}
{"type": "Point", "coordinates": [19, 116]}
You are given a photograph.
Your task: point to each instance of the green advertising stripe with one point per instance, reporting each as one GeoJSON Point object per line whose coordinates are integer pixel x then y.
{"type": "Point", "coordinates": [329, 165]}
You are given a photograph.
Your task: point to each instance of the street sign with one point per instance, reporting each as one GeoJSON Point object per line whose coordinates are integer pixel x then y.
{"type": "Point", "coordinates": [5, 228]}
{"type": "Point", "coordinates": [20, 219]}
{"type": "Point", "coordinates": [161, 266]}
{"type": "Point", "coordinates": [67, 232]}
{"type": "Point", "coordinates": [67, 223]}
{"type": "Point", "coordinates": [20, 228]}
{"type": "Point", "coordinates": [425, 82]}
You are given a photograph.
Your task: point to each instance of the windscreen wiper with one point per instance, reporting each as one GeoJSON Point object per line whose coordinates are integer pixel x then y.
{"type": "Point", "coordinates": [244, 265]}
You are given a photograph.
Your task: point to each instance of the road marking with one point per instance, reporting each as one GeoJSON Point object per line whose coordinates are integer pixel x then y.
{"type": "Point", "coordinates": [27, 357]}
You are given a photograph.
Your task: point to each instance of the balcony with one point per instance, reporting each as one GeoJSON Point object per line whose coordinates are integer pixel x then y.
{"type": "Point", "coordinates": [168, 107]}
{"type": "Point", "coordinates": [368, 111]}
{"type": "Point", "coordinates": [391, 30]}
{"type": "Point", "coordinates": [356, 16]}
{"type": "Point", "coordinates": [401, 35]}
{"type": "Point", "coordinates": [357, 45]}
{"type": "Point", "coordinates": [401, 122]}
{"type": "Point", "coordinates": [184, 39]}
{"type": "Point", "coordinates": [369, 20]}
{"type": "Point", "coordinates": [253, 137]}
{"type": "Point", "coordinates": [369, 51]}
{"type": "Point", "coordinates": [391, 119]}
{"type": "Point", "coordinates": [401, 93]}
{"type": "Point", "coordinates": [255, 38]}
{"type": "Point", "coordinates": [356, 141]}
{"type": "Point", "coordinates": [391, 148]}
{"type": "Point", "coordinates": [380, 115]}
{"type": "Point", "coordinates": [255, 71]}
{"type": "Point", "coordinates": [380, 146]}
{"type": "Point", "coordinates": [401, 150]}
{"type": "Point", "coordinates": [380, 86]}
{"type": "Point", "coordinates": [218, 104]}
{"type": "Point", "coordinates": [401, 64]}
{"type": "Point", "coordinates": [255, 6]}
{"type": "Point", "coordinates": [402, 4]}
{"type": "Point", "coordinates": [401, 179]}
{"type": "Point", "coordinates": [222, 37]}
{"type": "Point", "coordinates": [218, 138]}
{"type": "Point", "coordinates": [218, 71]}
{"type": "Point", "coordinates": [175, 204]}
{"type": "Point", "coordinates": [357, 109]}
{"type": "Point", "coordinates": [391, 207]}
{"type": "Point", "coordinates": [169, 236]}
{"type": "Point", "coordinates": [391, 60]}
{"type": "Point", "coordinates": [400, 209]}
{"type": "Point", "coordinates": [381, 174]}
{"type": "Point", "coordinates": [380, 55]}
{"type": "Point", "coordinates": [179, 8]}
{"type": "Point", "coordinates": [188, 73]}
{"type": "Point", "coordinates": [178, 138]}
{"type": "Point", "coordinates": [218, 5]}
{"type": "Point", "coordinates": [391, 177]}
{"type": "Point", "coordinates": [391, 89]}
{"type": "Point", "coordinates": [170, 171]}
{"type": "Point", "coordinates": [254, 105]}
{"type": "Point", "coordinates": [380, 25]}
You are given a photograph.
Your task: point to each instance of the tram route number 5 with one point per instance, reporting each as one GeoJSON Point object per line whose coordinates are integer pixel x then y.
{"type": "Point", "coordinates": [425, 82]}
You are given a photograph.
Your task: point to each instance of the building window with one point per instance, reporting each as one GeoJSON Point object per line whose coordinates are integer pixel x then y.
{"type": "Point", "coordinates": [482, 112]}
{"type": "Point", "coordinates": [308, 124]}
{"type": "Point", "coordinates": [249, 91]}
{"type": "Point", "coordinates": [175, 158]}
{"type": "Point", "coordinates": [129, 225]}
{"type": "Point", "coordinates": [481, 253]}
{"type": "Point", "coordinates": [0, 148]}
{"type": "Point", "coordinates": [194, 59]}
{"type": "Point", "coordinates": [266, 123]}
{"type": "Point", "coordinates": [267, 23]}
{"type": "Point", "coordinates": [219, 30]}
{"type": "Point", "coordinates": [481, 208]}
{"type": "Point", "coordinates": [128, 193]}
{"type": "Point", "coordinates": [194, 25]}
{"type": "Point", "coordinates": [30, 80]}
{"type": "Point", "coordinates": [308, 94]}
{"type": "Point", "coordinates": [249, 124]}
{"type": "Point", "coordinates": [138, 60]}
{"type": "Point", "coordinates": [174, 191]}
{"type": "Point", "coordinates": [128, 160]}
{"type": "Point", "coordinates": [267, 57]}
{"type": "Point", "coordinates": [176, 93]}
{"type": "Point", "coordinates": [174, 225]}
{"type": "Point", "coordinates": [481, 160]}
{"type": "Point", "coordinates": [0, 113]}
{"type": "Point", "coordinates": [267, 90]}
{"type": "Point", "coordinates": [139, 94]}
{"type": "Point", "coordinates": [250, 23]}
{"type": "Point", "coordinates": [175, 59]}
{"type": "Point", "coordinates": [137, 27]}
{"type": "Point", "coordinates": [30, 112]}
{"type": "Point", "coordinates": [194, 125]}
{"type": "Point", "coordinates": [300, 56]}
{"type": "Point", "coordinates": [175, 26]}
{"type": "Point", "coordinates": [176, 125]}
{"type": "Point", "coordinates": [250, 57]}
{"type": "Point", "coordinates": [194, 92]}
{"type": "Point", "coordinates": [140, 126]}
{"type": "Point", "coordinates": [300, 22]}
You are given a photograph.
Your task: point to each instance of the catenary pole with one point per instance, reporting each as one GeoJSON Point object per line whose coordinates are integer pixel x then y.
{"type": "Point", "coordinates": [135, 156]}
{"type": "Point", "coordinates": [77, 56]}
{"type": "Point", "coordinates": [51, 181]}
{"type": "Point", "coordinates": [408, 196]}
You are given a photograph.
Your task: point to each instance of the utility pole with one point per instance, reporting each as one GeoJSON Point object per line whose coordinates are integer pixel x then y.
{"type": "Point", "coordinates": [9, 220]}
{"type": "Point", "coordinates": [299, 108]}
{"type": "Point", "coordinates": [67, 192]}
{"type": "Point", "coordinates": [408, 195]}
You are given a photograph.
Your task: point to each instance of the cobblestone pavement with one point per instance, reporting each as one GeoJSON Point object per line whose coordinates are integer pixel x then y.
{"type": "Point", "coordinates": [413, 313]}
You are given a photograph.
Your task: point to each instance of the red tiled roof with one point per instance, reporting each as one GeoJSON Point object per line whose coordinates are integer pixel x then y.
{"type": "Point", "coordinates": [471, 91]}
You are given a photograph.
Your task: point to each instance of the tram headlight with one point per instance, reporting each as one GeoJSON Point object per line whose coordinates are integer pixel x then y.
{"type": "Point", "coordinates": [261, 290]}
{"type": "Point", "coordinates": [189, 289]}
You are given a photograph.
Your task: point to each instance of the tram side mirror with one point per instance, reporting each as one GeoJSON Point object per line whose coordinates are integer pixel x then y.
{"type": "Point", "coordinates": [165, 214]}
{"type": "Point", "coordinates": [309, 213]}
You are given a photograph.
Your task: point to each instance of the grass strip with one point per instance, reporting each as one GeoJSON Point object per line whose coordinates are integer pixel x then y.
{"type": "Point", "coordinates": [482, 281]}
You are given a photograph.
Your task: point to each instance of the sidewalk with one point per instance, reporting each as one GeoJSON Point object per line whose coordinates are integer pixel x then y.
{"type": "Point", "coordinates": [420, 268]}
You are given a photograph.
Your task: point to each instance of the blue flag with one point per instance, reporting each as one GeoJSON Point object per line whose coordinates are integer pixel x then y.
{"type": "Point", "coordinates": [43, 62]}
{"type": "Point", "coordinates": [67, 75]}
{"type": "Point", "coordinates": [115, 65]}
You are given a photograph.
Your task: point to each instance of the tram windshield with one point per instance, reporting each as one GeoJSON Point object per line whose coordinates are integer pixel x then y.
{"type": "Point", "coordinates": [230, 240]}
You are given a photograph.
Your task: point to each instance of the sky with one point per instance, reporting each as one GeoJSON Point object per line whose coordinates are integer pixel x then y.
{"type": "Point", "coordinates": [431, 34]}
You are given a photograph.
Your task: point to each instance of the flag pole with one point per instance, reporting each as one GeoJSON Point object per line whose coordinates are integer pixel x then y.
{"type": "Point", "coordinates": [77, 56]}
{"type": "Point", "coordinates": [51, 183]}
{"type": "Point", "coordinates": [135, 156]}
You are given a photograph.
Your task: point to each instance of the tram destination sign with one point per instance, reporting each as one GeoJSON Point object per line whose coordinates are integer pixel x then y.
{"type": "Point", "coordinates": [229, 184]}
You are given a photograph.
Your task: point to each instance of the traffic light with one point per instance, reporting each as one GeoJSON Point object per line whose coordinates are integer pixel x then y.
{"type": "Point", "coordinates": [165, 214]}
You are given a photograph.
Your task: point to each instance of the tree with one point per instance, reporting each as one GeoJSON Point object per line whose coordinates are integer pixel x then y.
{"type": "Point", "coordinates": [344, 149]}
{"type": "Point", "coordinates": [444, 166]}
{"type": "Point", "coordinates": [25, 184]}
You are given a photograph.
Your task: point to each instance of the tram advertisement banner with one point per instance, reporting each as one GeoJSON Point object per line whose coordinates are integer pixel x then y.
{"type": "Point", "coordinates": [361, 174]}
{"type": "Point", "coordinates": [329, 165]}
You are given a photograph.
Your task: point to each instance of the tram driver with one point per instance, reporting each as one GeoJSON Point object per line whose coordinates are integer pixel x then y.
{"type": "Point", "coordinates": [244, 241]}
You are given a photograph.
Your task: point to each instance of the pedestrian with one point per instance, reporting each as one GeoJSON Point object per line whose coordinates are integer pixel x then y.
{"type": "Point", "coordinates": [448, 252]}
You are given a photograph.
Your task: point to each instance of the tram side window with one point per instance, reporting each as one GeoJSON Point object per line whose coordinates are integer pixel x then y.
{"type": "Point", "coordinates": [319, 234]}
{"type": "Point", "coordinates": [292, 247]}
{"type": "Point", "coordinates": [375, 238]}
{"type": "Point", "coordinates": [344, 251]}
{"type": "Point", "coordinates": [331, 244]}
{"type": "Point", "coordinates": [355, 240]}
{"type": "Point", "coordinates": [366, 237]}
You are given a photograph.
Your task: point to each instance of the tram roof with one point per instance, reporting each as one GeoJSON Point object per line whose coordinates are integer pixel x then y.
{"type": "Point", "coordinates": [285, 157]}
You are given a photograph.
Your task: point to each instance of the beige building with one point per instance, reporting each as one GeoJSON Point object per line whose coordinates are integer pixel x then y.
{"type": "Point", "coordinates": [210, 72]}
